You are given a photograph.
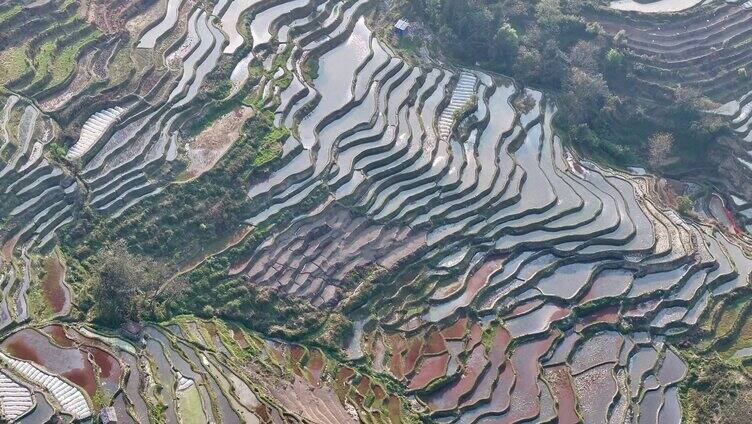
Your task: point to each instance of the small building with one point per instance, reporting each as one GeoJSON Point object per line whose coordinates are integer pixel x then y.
{"type": "Point", "coordinates": [401, 27]}
{"type": "Point", "coordinates": [108, 415]}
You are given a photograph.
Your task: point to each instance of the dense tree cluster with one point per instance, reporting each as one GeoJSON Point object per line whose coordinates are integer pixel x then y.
{"type": "Point", "coordinates": [527, 39]}
{"type": "Point", "coordinates": [122, 287]}
{"type": "Point", "coordinates": [551, 44]}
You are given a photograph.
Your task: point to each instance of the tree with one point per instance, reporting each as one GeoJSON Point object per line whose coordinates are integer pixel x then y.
{"type": "Point", "coordinates": [683, 204]}
{"type": "Point", "coordinates": [528, 64]}
{"type": "Point", "coordinates": [689, 103]}
{"type": "Point", "coordinates": [516, 9]}
{"type": "Point", "coordinates": [690, 120]}
{"type": "Point", "coordinates": [467, 23]}
{"type": "Point", "coordinates": [507, 42]}
{"type": "Point", "coordinates": [614, 59]}
{"type": "Point", "coordinates": [584, 96]}
{"type": "Point", "coordinates": [549, 15]}
{"type": "Point", "coordinates": [524, 103]}
{"type": "Point", "coordinates": [337, 330]}
{"type": "Point", "coordinates": [553, 64]}
{"type": "Point", "coordinates": [584, 55]}
{"type": "Point", "coordinates": [659, 146]}
{"type": "Point", "coordinates": [595, 28]}
{"type": "Point", "coordinates": [123, 286]}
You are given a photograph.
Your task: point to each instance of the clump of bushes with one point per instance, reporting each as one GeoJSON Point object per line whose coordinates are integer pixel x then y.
{"type": "Point", "coordinates": [715, 390]}
{"type": "Point", "coordinates": [122, 287]}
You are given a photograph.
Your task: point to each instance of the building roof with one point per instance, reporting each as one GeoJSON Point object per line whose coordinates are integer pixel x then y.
{"type": "Point", "coordinates": [402, 25]}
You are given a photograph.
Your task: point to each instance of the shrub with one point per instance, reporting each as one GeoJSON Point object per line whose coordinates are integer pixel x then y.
{"type": "Point", "coordinates": [683, 205]}
{"type": "Point", "coordinates": [614, 59]}
{"type": "Point", "coordinates": [57, 151]}
{"type": "Point", "coordinates": [337, 330]}
{"type": "Point", "coordinates": [620, 38]}
{"type": "Point", "coordinates": [123, 286]}
{"type": "Point", "coordinates": [507, 41]}
{"type": "Point", "coordinates": [659, 147]}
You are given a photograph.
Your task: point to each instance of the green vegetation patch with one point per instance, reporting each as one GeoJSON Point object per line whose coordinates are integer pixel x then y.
{"type": "Point", "coordinates": [270, 147]}
{"type": "Point", "coordinates": [10, 12]}
{"type": "Point", "coordinates": [715, 390]}
{"type": "Point", "coordinates": [43, 59]}
{"type": "Point", "coordinates": [39, 306]}
{"type": "Point", "coordinates": [120, 66]}
{"type": "Point", "coordinates": [163, 227]}
{"type": "Point", "coordinates": [65, 60]}
{"type": "Point", "coordinates": [101, 399]}
{"type": "Point", "coordinates": [190, 407]}
{"type": "Point", "coordinates": [311, 69]}
{"type": "Point", "coordinates": [13, 64]}
{"type": "Point", "coordinates": [55, 58]}
{"type": "Point", "coordinates": [161, 234]}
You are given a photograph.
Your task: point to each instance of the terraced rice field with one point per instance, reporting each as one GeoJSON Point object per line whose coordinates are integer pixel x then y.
{"type": "Point", "coordinates": [524, 283]}
{"type": "Point", "coordinates": [697, 44]}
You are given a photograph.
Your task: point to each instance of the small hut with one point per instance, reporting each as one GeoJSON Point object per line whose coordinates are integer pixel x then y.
{"type": "Point", "coordinates": [401, 27]}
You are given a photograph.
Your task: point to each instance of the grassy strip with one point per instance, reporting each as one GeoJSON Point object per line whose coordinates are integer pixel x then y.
{"type": "Point", "coordinates": [42, 60]}
{"type": "Point", "coordinates": [271, 146]}
{"type": "Point", "coordinates": [65, 61]}
{"type": "Point", "coordinates": [13, 64]}
{"type": "Point", "coordinates": [7, 14]}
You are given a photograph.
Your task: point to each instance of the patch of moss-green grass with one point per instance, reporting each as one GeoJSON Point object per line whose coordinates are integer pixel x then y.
{"type": "Point", "coordinates": [156, 412]}
{"type": "Point", "coordinates": [57, 151]}
{"type": "Point", "coordinates": [100, 399]}
{"type": "Point", "coordinates": [39, 306]}
{"type": "Point", "coordinates": [65, 4]}
{"type": "Point", "coordinates": [43, 59]}
{"type": "Point", "coordinates": [65, 60]}
{"type": "Point", "coordinates": [120, 66]}
{"type": "Point", "coordinates": [280, 61]}
{"type": "Point", "coordinates": [409, 45]}
{"type": "Point", "coordinates": [714, 390]}
{"type": "Point", "coordinates": [285, 80]}
{"type": "Point", "coordinates": [271, 146]}
{"type": "Point", "coordinates": [729, 316]}
{"type": "Point", "coordinates": [13, 64]}
{"type": "Point", "coordinates": [311, 69]}
{"type": "Point", "coordinates": [9, 13]}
